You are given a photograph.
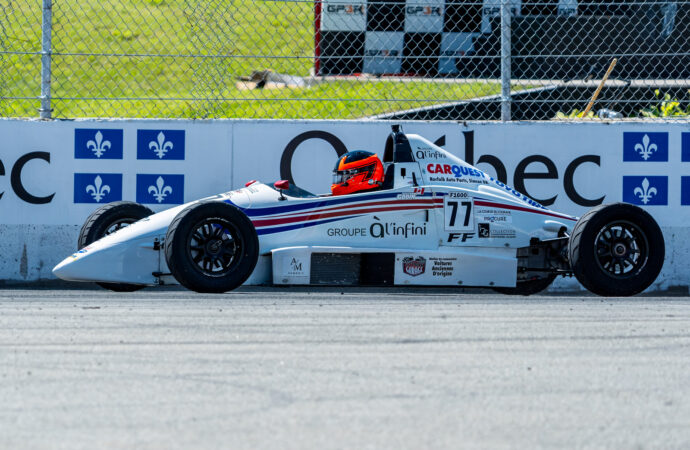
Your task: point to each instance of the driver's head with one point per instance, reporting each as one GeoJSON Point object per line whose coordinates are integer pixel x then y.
{"type": "Point", "coordinates": [357, 171]}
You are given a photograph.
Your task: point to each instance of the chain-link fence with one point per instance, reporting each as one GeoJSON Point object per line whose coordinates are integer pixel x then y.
{"type": "Point", "coordinates": [341, 59]}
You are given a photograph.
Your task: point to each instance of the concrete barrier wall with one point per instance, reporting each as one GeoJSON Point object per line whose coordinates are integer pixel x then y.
{"type": "Point", "coordinates": [54, 174]}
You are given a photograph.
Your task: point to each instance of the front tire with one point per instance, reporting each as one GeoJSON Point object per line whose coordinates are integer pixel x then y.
{"type": "Point", "coordinates": [616, 250]}
{"type": "Point", "coordinates": [106, 220]}
{"type": "Point", "coordinates": [211, 247]}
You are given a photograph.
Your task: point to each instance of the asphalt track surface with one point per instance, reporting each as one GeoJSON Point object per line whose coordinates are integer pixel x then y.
{"type": "Point", "coordinates": [297, 368]}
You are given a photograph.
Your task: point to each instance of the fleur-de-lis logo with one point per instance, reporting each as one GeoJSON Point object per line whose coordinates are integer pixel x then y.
{"type": "Point", "coordinates": [98, 190]}
{"type": "Point", "coordinates": [645, 149]}
{"type": "Point", "coordinates": [160, 146]}
{"type": "Point", "coordinates": [645, 193]}
{"type": "Point", "coordinates": [160, 190]}
{"type": "Point", "coordinates": [98, 146]}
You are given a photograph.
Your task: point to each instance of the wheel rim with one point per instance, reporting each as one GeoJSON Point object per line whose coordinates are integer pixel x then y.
{"type": "Point", "coordinates": [621, 249]}
{"type": "Point", "coordinates": [118, 225]}
{"type": "Point", "coordinates": [215, 247]}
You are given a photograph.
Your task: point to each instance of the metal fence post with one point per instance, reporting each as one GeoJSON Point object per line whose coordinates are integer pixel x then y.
{"type": "Point", "coordinates": [46, 56]}
{"type": "Point", "coordinates": [505, 59]}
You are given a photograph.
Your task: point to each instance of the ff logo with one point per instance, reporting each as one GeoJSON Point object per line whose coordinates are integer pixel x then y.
{"type": "Point", "coordinates": [461, 237]}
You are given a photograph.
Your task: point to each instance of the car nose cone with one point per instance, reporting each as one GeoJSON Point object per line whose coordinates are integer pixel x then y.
{"type": "Point", "coordinates": [129, 262]}
{"type": "Point", "coordinates": [76, 267]}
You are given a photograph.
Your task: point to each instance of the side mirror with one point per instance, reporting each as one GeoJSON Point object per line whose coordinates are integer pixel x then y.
{"type": "Point", "coordinates": [280, 185]}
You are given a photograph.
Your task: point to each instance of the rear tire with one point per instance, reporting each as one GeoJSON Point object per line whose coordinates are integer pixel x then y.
{"type": "Point", "coordinates": [106, 220]}
{"type": "Point", "coordinates": [528, 287]}
{"type": "Point", "coordinates": [616, 250]}
{"type": "Point", "coordinates": [211, 247]}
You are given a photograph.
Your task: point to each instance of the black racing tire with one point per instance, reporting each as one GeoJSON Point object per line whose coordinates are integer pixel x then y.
{"type": "Point", "coordinates": [211, 247]}
{"type": "Point", "coordinates": [616, 250]}
{"type": "Point", "coordinates": [528, 287]}
{"type": "Point", "coordinates": [108, 219]}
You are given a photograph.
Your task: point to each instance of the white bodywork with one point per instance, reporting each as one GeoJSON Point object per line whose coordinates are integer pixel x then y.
{"type": "Point", "coordinates": [446, 222]}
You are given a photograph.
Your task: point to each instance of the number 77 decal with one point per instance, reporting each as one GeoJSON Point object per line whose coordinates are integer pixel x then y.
{"type": "Point", "coordinates": [458, 214]}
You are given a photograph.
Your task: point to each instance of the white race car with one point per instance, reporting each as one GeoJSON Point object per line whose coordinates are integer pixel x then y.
{"type": "Point", "coordinates": [435, 221]}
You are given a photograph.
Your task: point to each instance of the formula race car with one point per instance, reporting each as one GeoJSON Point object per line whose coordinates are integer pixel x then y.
{"type": "Point", "coordinates": [434, 220]}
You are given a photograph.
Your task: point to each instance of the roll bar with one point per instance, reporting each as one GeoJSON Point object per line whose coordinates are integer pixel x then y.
{"type": "Point", "coordinates": [397, 147]}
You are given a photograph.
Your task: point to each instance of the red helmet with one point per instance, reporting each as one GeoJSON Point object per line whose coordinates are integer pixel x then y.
{"type": "Point", "coordinates": [357, 171]}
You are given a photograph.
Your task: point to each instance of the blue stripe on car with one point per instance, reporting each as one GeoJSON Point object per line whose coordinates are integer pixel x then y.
{"type": "Point", "coordinates": [252, 212]}
{"type": "Point", "coordinates": [260, 231]}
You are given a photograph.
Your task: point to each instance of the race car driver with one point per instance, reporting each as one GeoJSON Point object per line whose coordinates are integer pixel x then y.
{"type": "Point", "coordinates": [357, 171]}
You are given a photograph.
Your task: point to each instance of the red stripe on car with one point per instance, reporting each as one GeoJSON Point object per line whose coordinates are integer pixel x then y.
{"type": "Point", "coordinates": [522, 208]}
{"type": "Point", "coordinates": [317, 216]}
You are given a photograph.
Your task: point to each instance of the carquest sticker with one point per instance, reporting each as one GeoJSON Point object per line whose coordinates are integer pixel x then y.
{"type": "Point", "coordinates": [455, 174]}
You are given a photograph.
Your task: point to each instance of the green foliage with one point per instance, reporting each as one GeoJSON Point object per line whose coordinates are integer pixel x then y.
{"type": "Point", "coordinates": [667, 107]}
{"type": "Point", "coordinates": [126, 35]}
{"type": "Point", "coordinates": [574, 114]}
{"type": "Point", "coordinates": [248, 34]}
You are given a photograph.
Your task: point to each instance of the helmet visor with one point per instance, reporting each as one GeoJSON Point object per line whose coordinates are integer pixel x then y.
{"type": "Point", "coordinates": [341, 176]}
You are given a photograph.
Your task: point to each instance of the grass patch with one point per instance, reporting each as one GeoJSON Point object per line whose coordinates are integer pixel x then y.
{"type": "Point", "coordinates": [181, 58]}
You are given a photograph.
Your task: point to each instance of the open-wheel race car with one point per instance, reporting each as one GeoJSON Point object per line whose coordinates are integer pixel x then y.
{"type": "Point", "coordinates": [434, 220]}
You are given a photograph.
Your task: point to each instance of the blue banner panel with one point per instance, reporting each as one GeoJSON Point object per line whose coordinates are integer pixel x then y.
{"type": "Point", "coordinates": [94, 143]}
{"type": "Point", "coordinates": [685, 144]}
{"type": "Point", "coordinates": [160, 144]}
{"type": "Point", "coordinates": [685, 190]}
{"type": "Point", "coordinates": [650, 147]}
{"type": "Point", "coordinates": [97, 187]}
{"type": "Point", "coordinates": [160, 189]}
{"type": "Point", "coordinates": [645, 190]}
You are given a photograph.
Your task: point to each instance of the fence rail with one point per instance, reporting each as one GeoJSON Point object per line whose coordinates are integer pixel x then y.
{"type": "Point", "coordinates": [342, 59]}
